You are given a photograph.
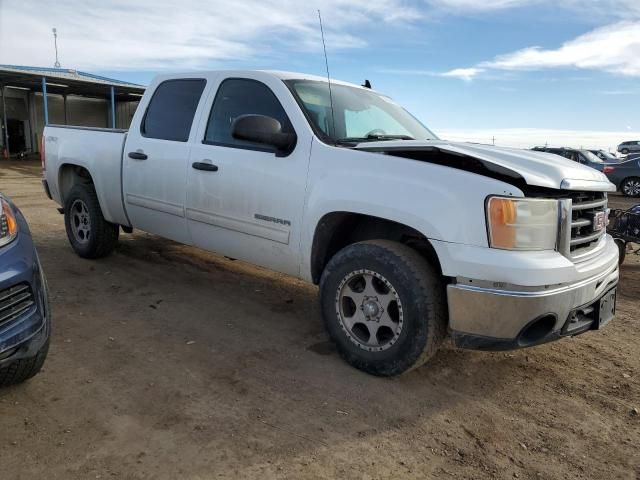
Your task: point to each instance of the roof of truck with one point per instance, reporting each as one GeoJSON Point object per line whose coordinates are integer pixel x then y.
{"type": "Point", "coordinates": [282, 75]}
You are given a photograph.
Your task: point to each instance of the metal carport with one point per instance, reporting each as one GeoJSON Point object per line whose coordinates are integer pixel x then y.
{"type": "Point", "coordinates": [27, 92]}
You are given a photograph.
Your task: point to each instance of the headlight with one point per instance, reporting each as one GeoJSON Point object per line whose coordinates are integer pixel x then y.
{"type": "Point", "coordinates": [8, 223]}
{"type": "Point", "coordinates": [522, 224]}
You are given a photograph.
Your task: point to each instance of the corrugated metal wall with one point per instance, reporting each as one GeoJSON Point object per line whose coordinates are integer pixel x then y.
{"type": "Point", "coordinates": [86, 112]}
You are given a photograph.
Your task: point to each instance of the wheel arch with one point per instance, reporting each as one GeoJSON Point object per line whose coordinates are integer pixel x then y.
{"type": "Point", "coordinates": [336, 230]}
{"type": "Point", "coordinates": [103, 180]}
{"type": "Point", "coordinates": [70, 175]}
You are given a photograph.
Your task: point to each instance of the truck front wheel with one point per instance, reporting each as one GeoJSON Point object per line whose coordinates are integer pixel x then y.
{"type": "Point", "coordinates": [384, 306]}
{"type": "Point", "coordinates": [90, 235]}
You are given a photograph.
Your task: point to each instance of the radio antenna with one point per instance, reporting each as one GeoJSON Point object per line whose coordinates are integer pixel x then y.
{"type": "Point", "coordinates": [326, 63]}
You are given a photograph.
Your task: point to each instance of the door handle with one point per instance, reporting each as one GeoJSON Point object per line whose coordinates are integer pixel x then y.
{"type": "Point", "coordinates": [208, 167]}
{"type": "Point", "coordinates": [138, 155]}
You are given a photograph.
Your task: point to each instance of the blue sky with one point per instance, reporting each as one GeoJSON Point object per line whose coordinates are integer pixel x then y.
{"type": "Point", "coordinates": [459, 65]}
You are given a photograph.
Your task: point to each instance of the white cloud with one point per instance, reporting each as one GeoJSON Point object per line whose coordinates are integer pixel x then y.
{"type": "Point", "coordinates": [614, 48]}
{"type": "Point", "coordinates": [478, 5]}
{"type": "Point", "coordinates": [466, 74]}
{"type": "Point", "coordinates": [156, 34]}
{"type": "Point", "coordinates": [602, 9]}
{"type": "Point", "coordinates": [530, 137]}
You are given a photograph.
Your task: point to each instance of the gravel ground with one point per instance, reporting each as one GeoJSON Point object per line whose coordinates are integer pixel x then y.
{"type": "Point", "coordinates": [168, 362]}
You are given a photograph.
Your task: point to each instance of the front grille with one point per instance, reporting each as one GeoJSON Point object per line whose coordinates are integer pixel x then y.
{"type": "Point", "coordinates": [14, 302]}
{"type": "Point", "coordinates": [585, 208]}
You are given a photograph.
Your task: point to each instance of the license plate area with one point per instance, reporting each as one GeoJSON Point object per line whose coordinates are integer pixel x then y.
{"type": "Point", "coordinates": [607, 308]}
{"type": "Point", "coordinates": [592, 316]}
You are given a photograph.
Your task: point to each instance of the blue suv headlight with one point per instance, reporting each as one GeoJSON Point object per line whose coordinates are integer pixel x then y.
{"type": "Point", "coordinates": [8, 223]}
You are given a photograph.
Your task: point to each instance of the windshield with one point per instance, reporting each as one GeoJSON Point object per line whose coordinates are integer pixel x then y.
{"type": "Point", "coordinates": [591, 157]}
{"type": "Point", "coordinates": [359, 114]}
{"type": "Point", "coordinates": [609, 156]}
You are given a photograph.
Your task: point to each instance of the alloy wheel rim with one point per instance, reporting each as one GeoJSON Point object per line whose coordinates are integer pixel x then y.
{"type": "Point", "coordinates": [369, 310]}
{"type": "Point", "coordinates": [632, 188]}
{"type": "Point", "coordinates": [80, 221]}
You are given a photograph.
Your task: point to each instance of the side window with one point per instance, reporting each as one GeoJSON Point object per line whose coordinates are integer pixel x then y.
{"type": "Point", "coordinates": [172, 108]}
{"type": "Point", "coordinates": [237, 97]}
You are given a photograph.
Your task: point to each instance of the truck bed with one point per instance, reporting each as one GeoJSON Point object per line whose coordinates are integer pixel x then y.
{"type": "Point", "coordinates": [99, 152]}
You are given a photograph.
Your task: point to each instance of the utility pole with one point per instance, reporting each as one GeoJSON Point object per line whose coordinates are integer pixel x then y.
{"type": "Point", "coordinates": [493, 140]}
{"type": "Point", "coordinates": [55, 44]}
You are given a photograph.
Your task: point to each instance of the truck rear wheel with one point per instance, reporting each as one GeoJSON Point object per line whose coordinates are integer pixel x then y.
{"type": "Point", "coordinates": [90, 235]}
{"type": "Point", "coordinates": [384, 307]}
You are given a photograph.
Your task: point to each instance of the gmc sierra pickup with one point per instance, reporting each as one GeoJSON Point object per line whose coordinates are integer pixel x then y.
{"type": "Point", "coordinates": [409, 237]}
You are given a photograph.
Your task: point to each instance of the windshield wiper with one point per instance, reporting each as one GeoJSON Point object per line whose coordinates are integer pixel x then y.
{"type": "Point", "coordinates": [372, 138]}
{"type": "Point", "coordinates": [389, 137]}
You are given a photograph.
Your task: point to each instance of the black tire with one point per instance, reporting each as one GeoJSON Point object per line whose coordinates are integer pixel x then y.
{"type": "Point", "coordinates": [622, 248]}
{"type": "Point", "coordinates": [629, 187]}
{"type": "Point", "coordinates": [624, 151]}
{"type": "Point", "coordinates": [102, 237]}
{"type": "Point", "coordinates": [421, 294]}
{"type": "Point", "coordinates": [23, 369]}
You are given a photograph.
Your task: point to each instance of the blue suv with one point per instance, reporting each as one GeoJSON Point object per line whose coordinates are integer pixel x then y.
{"type": "Point", "coordinates": [25, 323]}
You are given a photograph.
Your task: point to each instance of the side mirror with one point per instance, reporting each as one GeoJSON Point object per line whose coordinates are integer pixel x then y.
{"type": "Point", "coordinates": [263, 129]}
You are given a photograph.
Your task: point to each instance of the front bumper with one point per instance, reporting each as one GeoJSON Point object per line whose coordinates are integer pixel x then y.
{"type": "Point", "coordinates": [495, 316]}
{"type": "Point", "coordinates": [24, 335]}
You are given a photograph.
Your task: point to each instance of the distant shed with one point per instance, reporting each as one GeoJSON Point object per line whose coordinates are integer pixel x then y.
{"type": "Point", "coordinates": [31, 97]}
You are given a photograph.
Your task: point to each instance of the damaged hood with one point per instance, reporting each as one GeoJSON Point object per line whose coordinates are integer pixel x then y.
{"type": "Point", "coordinates": [535, 168]}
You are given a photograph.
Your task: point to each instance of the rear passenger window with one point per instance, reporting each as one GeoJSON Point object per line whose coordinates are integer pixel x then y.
{"type": "Point", "coordinates": [172, 108]}
{"type": "Point", "coordinates": [239, 96]}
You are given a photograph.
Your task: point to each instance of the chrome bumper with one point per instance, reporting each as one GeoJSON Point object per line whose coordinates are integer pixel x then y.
{"type": "Point", "coordinates": [495, 315]}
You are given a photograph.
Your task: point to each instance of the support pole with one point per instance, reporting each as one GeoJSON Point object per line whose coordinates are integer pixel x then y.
{"type": "Point", "coordinates": [4, 122]}
{"type": "Point", "coordinates": [30, 97]}
{"type": "Point", "coordinates": [45, 101]}
{"type": "Point", "coordinates": [113, 107]}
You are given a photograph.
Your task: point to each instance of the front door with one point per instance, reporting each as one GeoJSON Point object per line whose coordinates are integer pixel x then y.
{"type": "Point", "coordinates": [156, 156]}
{"type": "Point", "coordinates": [245, 200]}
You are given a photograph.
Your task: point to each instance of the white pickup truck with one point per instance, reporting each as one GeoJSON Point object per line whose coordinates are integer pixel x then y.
{"type": "Point", "coordinates": [409, 237]}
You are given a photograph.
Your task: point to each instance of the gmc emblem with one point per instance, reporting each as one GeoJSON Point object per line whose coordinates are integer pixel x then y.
{"type": "Point", "coordinates": [599, 221]}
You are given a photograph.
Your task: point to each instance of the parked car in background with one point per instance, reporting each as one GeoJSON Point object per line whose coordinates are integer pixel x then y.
{"type": "Point", "coordinates": [409, 237]}
{"type": "Point", "coordinates": [606, 157]}
{"type": "Point", "coordinates": [628, 147]}
{"type": "Point", "coordinates": [585, 157]}
{"type": "Point", "coordinates": [625, 176]}
{"type": "Point", "coordinates": [24, 309]}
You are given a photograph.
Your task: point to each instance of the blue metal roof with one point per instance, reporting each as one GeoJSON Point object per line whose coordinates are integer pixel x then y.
{"type": "Point", "coordinates": [68, 74]}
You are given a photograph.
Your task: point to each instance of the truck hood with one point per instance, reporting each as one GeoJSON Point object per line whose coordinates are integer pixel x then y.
{"type": "Point", "coordinates": [535, 168]}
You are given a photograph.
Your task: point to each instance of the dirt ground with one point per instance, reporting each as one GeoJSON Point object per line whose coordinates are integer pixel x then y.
{"type": "Point", "coordinates": [168, 362]}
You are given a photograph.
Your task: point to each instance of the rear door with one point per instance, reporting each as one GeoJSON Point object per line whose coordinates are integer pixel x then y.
{"type": "Point", "coordinates": [156, 155]}
{"type": "Point", "coordinates": [248, 202]}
